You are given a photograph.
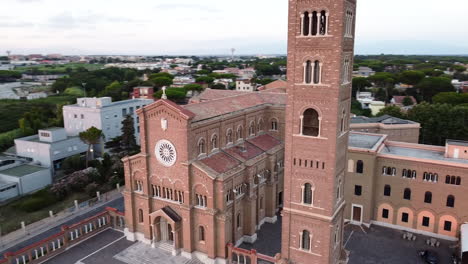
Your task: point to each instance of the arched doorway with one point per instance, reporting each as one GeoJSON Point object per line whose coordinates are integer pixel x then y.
{"type": "Point", "coordinates": [164, 229]}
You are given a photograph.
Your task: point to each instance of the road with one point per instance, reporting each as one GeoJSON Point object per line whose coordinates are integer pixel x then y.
{"type": "Point", "coordinates": [118, 204]}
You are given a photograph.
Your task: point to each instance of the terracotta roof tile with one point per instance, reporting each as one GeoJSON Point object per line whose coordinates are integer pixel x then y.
{"type": "Point", "coordinates": [245, 151]}
{"type": "Point", "coordinates": [220, 162]}
{"type": "Point", "coordinates": [265, 142]}
{"type": "Point", "coordinates": [227, 105]}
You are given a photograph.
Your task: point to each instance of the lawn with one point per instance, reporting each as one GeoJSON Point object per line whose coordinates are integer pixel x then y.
{"type": "Point", "coordinates": [11, 216]}
{"type": "Point", "coordinates": [60, 69]}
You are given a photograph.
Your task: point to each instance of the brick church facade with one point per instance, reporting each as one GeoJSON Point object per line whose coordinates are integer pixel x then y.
{"type": "Point", "coordinates": [213, 171]}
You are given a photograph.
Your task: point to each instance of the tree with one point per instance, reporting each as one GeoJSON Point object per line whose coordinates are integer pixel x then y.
{"type": "Point", "coordinates": [391, 110]}
{"type": "Point", "coordinates": [160, 82]}
{"type": "Point", "coordinates": [204, 79]}
{"type": "Point", "coordinates": [451, 98]}
{"type": "Point", "coordinates": [459, 68]}
{"type": "Point", "coordinates": [412, 77]}
{"type": "Point", "coordinates": [407, 101]}
{"type": "Point", "coordinates": [91, 137]}
{"type": "Point", "coordinates": [431, 86]}
{"type": "Point", "coordinates": [218, 86]}
{"type": "Point", "coordinates": [440, 122]}
{"type": "Point", "coordinates": [113, 90]}
{"type": "Point", "coordinates": [128, 140]}
{"type": "Point", "coordinates": [360, 83]}
{"type": "Point", "coordinates": [193, 87]}
{"type": "Point", "coordinates": [161, 74]}
{"type": "Point", "coordinates": [386, 81]}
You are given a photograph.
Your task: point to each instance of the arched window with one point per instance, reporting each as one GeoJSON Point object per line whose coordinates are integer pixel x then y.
{"type": "Point", "coordinates": [323, 23]}
{"type": "Point", "coordinates": [274, 125]}
{"type": "Point", "coordinates": [387, 190]}
{"type": "Point", "coordinates": [305, 243]}
{"type": "Point", "coordinates": [229, 136]}
{"type": "Point", "coordinates": [360, 166]}
{"type": "Point", "coordinates": [140, 215]}
{"type": "Point", "coordinates": [201, 233]}
{"type": "Point", "coordinates": [305, 24]}
{"type": "Point", "coordinates": [307, 194]}
{"type": "Point", "coordinates": [343, 121]}
{"type": "Point", "coordinates": [447, 179]}
{"type": "Point", "coordinates": [413, 175]}
{"type": "Point", "coordinates": [453, 179]}
{"type": "Point", "coordinates": [315, 20]}
{"type": "Point", "coordinates": [317, 72]}
{"type": "Point", "coordinates": [239, 133]}
{"type": "Point", "coordinates": [458, 180]}
{"type": "Point", "coordinates": [252, 129]}
{"type": "Point", "coordinates": [260, 125]}
{"type": "Point", "coordinates": [238, 220]}
{"type": "Point", "coordinates": [201, 147]}
{"type": "Point", "coordinates": [391, 171]}
{"type": "Point", "coordinates": [384, 170]}
{"type": "Point", "coordinates": [404, 173]}
{"type": "Point", "coordinates": [428, 197]}
{"type": "Point", "coordinates": [308, 72]}
{"type": "Point", "coordinates": [407, 194]}
{"type": "Point", "coordinates": [310, 123]}
{"type": "Point", "coordinates": [214, 142]}
{"type": "Point", "coordinates": [450, 201]}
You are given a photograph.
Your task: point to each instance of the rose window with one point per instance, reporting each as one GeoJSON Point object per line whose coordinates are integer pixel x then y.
{"type": "Point", "coordinates": [165, 153]}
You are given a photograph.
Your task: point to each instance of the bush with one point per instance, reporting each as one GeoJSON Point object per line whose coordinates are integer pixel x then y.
{"type": "Point", "coordinates": [73, 163]}
{"type": "Point", "coordinates": [36, 201]}
{"type": "Point", "coordinates": [7, 139]}
{"type": "Point", "coordinates": [91, 189]}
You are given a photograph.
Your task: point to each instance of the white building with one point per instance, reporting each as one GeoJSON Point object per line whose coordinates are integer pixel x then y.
{"type": "Point", "coordinates": [363, 72]}
{"type": "Point", "coordinates": [103, 114]}
{"type": "Point", "coordinates": [245, 85]}
{"type": "Point", "coordinates": [18, 178]}
{"type": "Point", "coordinates": [49, 147]}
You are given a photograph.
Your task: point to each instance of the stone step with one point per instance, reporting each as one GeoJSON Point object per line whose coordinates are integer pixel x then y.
{"type": "Point", "coordinates": [165, 246]}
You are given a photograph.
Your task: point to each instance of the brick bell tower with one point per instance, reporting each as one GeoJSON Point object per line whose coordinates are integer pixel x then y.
{"type": "Point", "coordinates": [320, 64]}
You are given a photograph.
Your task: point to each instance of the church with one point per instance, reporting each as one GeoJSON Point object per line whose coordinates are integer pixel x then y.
{"type": "Point", "coordinates": [210, 173]}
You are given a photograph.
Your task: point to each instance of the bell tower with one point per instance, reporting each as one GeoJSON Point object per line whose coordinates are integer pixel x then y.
{"type": "Point", "coordinates": [320, 64]}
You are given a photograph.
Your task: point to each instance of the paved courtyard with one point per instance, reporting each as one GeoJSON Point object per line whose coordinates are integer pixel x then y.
{"type": "Point", "coordinates": [377, 245]}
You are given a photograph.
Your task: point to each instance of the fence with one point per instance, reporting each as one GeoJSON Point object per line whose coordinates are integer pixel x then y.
{"type": "Point", "coordinates": [70, 235]}
{"type": "Point", "coordinates": [244, 256]}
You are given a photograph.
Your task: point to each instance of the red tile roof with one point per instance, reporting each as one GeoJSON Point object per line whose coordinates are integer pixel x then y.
{"type": "Point", "coordinates": [220, 162]}
{"type": "Point", "coordinates": [244, 152]}
{"type": "Point", "coordinates": [265, 142]}
{"type": "Point", "coordinates": [213, 94]}
{"type": "Point", "coordinates": [227, 105]}
{"type": "Point", "coordinates": [278, 84]}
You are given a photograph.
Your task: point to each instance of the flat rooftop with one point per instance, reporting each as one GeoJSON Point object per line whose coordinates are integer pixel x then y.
{"type": "Point", "coordinates": [420, 154]}
{"type": "Point", "coordinates": [22, 170]}
{"type": "Point", "coordinates": [364, 141]}
{"type": "Point", "coordinates": [385, 119]}
{"type": "Point", "coordinates": [35, 138]}
{"type": "Point", "coordinates": [457, 142]}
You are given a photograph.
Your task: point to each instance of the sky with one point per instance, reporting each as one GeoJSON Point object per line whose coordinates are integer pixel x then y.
{"type": "Point", "coordinates": [213, 27]}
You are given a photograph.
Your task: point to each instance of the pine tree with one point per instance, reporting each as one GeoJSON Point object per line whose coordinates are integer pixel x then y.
{"type": "Point", "coordinates": [128, 140]}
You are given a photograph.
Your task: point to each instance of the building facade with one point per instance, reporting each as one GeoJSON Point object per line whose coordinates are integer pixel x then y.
{"type": "Point", "coordinates": [49, 147]}
{"type": "Point", "coordinates": [413, 187]}
{"type": "Point", "coordinates": [209, 174]}
{"type": "Point", "coordinates": [245, 85]}
{"type": "Point", "coordinates": [103, 114]}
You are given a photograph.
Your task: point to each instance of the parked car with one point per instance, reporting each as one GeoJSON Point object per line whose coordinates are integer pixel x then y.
{"type": "Point", "coordinates": [429, 256]}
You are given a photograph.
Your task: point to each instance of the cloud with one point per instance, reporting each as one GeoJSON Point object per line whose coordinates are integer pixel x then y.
{"type": "Point", "coordinates": [28, 1]}
{"type": "Point", "coordinates": [12, 24]}
{"type": "Point", "coordinates": [69, 20]}
{"type": "Point", "coordinates": [191, 7]}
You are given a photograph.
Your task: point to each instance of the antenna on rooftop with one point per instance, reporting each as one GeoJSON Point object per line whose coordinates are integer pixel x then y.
{"type": "Point", "coordinates": [233, 50]}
